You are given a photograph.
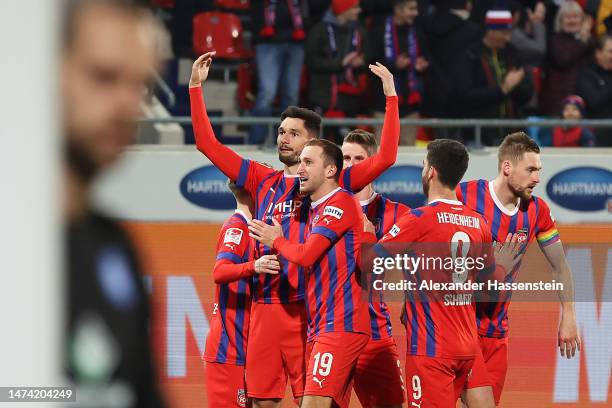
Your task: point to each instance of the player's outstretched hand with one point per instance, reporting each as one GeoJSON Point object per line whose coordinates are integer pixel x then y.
{"type": "Point", "coordinates": [569, 340]}
{"type": "Point", "coordinates": [199, 70]}
{"type": "Point", "coordinates": [385, 76]}
{"type": "Point", "coordinates": [267, 264]}
{"type": "Point", "coordinates": [507, 253]}
{"type": "Point", "coordinates": [264, 233]}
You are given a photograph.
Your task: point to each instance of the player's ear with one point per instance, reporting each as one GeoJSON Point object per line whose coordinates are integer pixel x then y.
{"type": "Point", "coordinates": [330, 171]}
{"type": "Point", "coordinates": [506, 167]}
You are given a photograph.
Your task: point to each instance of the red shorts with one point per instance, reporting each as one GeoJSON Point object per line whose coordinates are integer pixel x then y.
{"type": "Point", "coordinates": [435, 382]}
{"type": "Point", "coordinates": [493, 371]}
{"type": "Point", "coordinates": [225, 386]}
{"type": "Point", "coordinates": [276, 350]}
{"type": "Point", "coordinates": [378, 376]}
{"type": "Point", "coordinates": [332, 359]}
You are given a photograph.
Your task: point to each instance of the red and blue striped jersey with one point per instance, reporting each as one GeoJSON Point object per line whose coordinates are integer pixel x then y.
{"type": "Point", "coordinates": [335, 302]}
{"type": "Point", "coordinates": [433, 327]}
{"type": "Point", "coordinates": [277, 195]}
{"type": "Point", "coordinates": [229, 327]}
{"type": "Point", "coordinates": [383, 213]}
{"type": "Point", "coordinates": [532, 219]}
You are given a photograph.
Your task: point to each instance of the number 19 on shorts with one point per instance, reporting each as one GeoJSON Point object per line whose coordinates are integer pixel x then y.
{"type": "Point", "coordinates": [322, 364]}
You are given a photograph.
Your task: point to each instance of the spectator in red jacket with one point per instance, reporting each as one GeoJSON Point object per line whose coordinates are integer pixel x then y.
{"type": "Point", "coordinates": [573, 109]}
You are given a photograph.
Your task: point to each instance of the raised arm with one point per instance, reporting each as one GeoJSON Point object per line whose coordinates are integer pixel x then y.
{"type": "Point", "coordinates": [356, 177]}
{"type": "Point", "coordinates": [224, 158]}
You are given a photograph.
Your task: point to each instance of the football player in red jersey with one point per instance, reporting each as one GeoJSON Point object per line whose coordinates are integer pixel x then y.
{"type": "Point", "coordinates": [442, 338]}
{"type": "Point", "coordinates": [509, 206]}
{"type": "Point", "coordinates": [226, 344]}
{"type": "Point", "coordinates": [276, 194]}
{"type": "Point", "coordinates": [378, 377]}
{"type": "Point", "coordinates": [338, 320]}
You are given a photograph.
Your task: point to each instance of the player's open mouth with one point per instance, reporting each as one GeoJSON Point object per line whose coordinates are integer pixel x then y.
{"type": "Point", "coordinates": [303, 179]}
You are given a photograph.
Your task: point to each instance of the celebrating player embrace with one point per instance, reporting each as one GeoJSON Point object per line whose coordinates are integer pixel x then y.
{"type": "Point", "coordinates": [278, 300]}
{"type": "Point", "coordinates": [338, 320]}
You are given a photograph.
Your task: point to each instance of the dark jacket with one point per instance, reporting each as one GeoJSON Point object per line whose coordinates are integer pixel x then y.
{"type": "Point", "coordinates": [283, 23]}
{"type": "Point", "coordinates": [566, 56]}
{"type": "Point", "coordinates": [479, 95]}
{"type": "Point", "coordinates": [594, 84]}
{"type": "Point", "coordinates": [448, 36]}
{"type": "Point", "coordinates": [401, 83]}
{"type": "Point", "coordinates": [106, 297]}
{"type": "Point", "coordinates": [323, 65]}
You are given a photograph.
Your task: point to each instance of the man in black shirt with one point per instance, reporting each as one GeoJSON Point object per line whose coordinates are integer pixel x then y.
{"type": "Point", "coordinates": [107, 60]}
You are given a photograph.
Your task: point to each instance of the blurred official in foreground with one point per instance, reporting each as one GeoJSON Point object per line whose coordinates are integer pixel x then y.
{"type": "Point", "coordinates": [108, 58]}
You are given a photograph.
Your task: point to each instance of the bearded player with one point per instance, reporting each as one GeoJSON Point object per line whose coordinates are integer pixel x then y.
{"type": "Point", "coordinates": [442, 339]}
{"type": "Point", "coordinates": [278, 300]}
{"type": "Point", "coordinates": [509, 206]}
{"type": "Point", "coordinates": [378, 379]}
{"type": "Point", "coordinates": [338, 321]}
{"type": "Point", "coordinates": [226, 344]}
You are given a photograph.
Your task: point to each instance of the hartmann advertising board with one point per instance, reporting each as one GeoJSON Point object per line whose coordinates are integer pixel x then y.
{"type": "Point", "coordinates": [153, 184]}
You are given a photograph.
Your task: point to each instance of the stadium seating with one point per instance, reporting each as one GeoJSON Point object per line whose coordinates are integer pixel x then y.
{"type": "Point", "coordinates": [220, 32]}
{"type": "Point", "coordinates": [238, 5]}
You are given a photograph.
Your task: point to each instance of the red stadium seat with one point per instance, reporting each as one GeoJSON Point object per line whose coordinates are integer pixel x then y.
{"type": "Point", "coordinates": [163, 3]}
{"type": "Point", "coordinates": [221, 32]}
{"type": "Point", "coordinates": [233, 4]}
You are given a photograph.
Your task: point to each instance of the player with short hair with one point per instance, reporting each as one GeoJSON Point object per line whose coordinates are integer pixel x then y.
{"type": "Point", "coordinates": [509, 206]}
{"type": "Point", "coordinates": [338, 321]}
{"type": "Point", "coordinates": [278, 300]}
{"type": "Point", "coordinates": [378, 377]}
{"type": "Point", "coordinates": [226, 343]}
{"type": "Point", "coordinates": [442, 338]}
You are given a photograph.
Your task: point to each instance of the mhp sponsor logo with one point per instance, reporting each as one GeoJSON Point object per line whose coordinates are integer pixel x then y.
{"type": "Point", "coordinates": [402, 184]}
{"type": "Point", "coordinates": [207, 187]}
{"type": "Point", "coordinates": [581, 188]}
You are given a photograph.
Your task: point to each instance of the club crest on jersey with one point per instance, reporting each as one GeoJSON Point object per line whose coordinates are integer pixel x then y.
{"type": "Point", "coordinates": [233, 235]}
{"type": "Point", "coordinates": [241, 398]}
{"type": "Point", "coordinates": [522, 235]}
{"type": "Point", "coordinates": [394, 230]}
{"type": "Point", "coordinates": [333, 211]}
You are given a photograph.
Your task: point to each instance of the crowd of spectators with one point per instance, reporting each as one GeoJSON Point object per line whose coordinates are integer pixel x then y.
{"type": "Point", "coordinates": [450, 59]}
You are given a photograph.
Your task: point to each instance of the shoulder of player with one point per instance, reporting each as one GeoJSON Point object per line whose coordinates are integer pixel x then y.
{"type": "Point", "coordinates": [473, 182]}
{"type": "Point", "coordinates": [236, 220]}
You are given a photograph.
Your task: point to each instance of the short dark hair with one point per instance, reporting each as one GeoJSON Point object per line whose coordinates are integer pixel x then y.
{"type": "Point", "coordinates": [312, 120]}
{"type": "Point", "coordinates": [397, 3]}
{"type": "Point", "coordinates": [450, 158]}
{"type": "Point", "coordinates": [332, 155]}
{"type": "Point", "coordinates": [238, 192]}
{"type": "Point", "coordinates": [364, 139]}
{"type": "Point", "coordinates": [72, 9]}
{"type": "Point", "coordinates": [602, 40]}
{"type": "Point", "coordinates": [514, 146]}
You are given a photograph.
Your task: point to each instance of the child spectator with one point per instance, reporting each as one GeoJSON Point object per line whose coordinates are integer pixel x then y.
{"type": "Point", "coordinates": [573, 109]}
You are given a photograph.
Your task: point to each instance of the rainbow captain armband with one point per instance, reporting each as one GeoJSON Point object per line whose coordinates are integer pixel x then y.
{"type": "Point", "coordinates": [548, 237]}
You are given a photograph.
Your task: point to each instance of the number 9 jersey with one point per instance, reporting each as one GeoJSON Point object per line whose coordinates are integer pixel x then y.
{"type": "Point", "coordinates": [437, 234]}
